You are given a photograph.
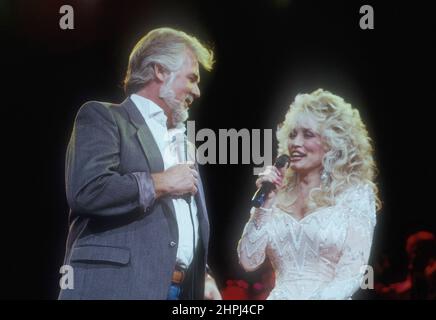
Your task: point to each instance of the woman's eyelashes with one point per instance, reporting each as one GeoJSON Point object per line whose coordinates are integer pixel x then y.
{"type": "Point", "coordinates": [307, 133]}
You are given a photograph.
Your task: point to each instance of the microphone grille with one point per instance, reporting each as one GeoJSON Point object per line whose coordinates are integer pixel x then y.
{"type": "Point", "coordinates": [281, 161]}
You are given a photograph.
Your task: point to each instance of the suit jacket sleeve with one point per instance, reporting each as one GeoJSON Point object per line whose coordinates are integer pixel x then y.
{"type": "Point", "coordinates": [93, 184]}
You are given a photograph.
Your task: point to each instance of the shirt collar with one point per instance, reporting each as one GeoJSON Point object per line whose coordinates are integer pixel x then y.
{"type": "Point", "coordinates": [149, 109]}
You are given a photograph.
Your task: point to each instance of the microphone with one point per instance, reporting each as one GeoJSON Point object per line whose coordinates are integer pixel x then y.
{"type": "Point", "coordinates": [261, 194]}
{"type": "Point", "coordinates": [181, 146]}
{"type": "Point", "coordinates": [187, 197]}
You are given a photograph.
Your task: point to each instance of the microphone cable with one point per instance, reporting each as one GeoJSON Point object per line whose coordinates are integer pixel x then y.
{"type": "Point", "coordinates": [188, 200]}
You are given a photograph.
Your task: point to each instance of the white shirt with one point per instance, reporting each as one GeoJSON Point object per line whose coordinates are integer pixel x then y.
{"type": "Point", "coordinates": [156, 120]}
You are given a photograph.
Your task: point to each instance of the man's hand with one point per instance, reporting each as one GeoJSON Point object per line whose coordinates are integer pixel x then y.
{"type": "Point", "coordinates": [211, 291]}
{"type": "Point", "coordinates": [177, 180]}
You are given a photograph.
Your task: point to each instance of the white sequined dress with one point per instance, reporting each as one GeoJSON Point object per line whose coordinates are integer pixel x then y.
{"type": "Point", "coordinates": [322, 256]}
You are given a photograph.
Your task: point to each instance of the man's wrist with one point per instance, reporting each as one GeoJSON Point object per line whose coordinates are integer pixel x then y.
{"type": "Point", "coordinates": [160, 185]}
{"type": "Point", "coordinates": [268, 204]}
{"type": "Point", "coordinates": [266, 209]}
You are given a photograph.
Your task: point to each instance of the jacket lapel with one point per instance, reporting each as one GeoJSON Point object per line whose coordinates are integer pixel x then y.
{"type": "Point", "coordinates": [145, 137]}
{"type": "Point", "coordinates": [148, 145]}
{"type": "Point", "coordinates": [202, 214]}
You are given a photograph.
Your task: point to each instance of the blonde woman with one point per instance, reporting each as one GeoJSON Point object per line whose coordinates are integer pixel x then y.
{"type": "Point", "coordinates": [317, 226]}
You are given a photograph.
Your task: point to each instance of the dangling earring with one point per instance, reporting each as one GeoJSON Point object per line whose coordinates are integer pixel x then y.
{"type": "Point", "coordinates": [325, 176]}
{"type": "Point", "coordinates": [328, 161]}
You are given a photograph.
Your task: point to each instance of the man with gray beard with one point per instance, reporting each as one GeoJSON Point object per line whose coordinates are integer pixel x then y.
{"type": "Point", "coordinates": [139, 227]}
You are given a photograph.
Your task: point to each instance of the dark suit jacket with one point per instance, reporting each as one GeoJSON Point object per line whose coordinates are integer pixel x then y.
{"type": "Point", "coordinates": [122, 243]}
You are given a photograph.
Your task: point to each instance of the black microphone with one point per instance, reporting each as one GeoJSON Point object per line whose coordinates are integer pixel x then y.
{"type": "Point", "coordinates": [261, 194]}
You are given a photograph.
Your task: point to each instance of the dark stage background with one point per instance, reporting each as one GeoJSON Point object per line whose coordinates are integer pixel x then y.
{"type": "Point", "coordinates": [266, 53]}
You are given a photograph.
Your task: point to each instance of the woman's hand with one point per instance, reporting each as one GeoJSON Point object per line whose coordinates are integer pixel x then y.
{"type": "Point", "coordinates": [273, 175]}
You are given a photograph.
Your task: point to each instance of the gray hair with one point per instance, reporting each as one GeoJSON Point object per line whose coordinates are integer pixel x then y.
{"type": "Point", "coordinates": [164, 47]}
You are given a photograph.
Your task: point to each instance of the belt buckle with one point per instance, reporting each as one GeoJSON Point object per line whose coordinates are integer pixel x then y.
{"type": "Point", "coordinates": [178, 275]}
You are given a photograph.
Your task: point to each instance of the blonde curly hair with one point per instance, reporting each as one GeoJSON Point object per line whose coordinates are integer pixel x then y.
{"type": "Point", "coordinates": [349, 157]}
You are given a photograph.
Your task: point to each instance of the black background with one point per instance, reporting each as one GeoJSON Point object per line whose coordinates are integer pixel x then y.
{"type": "Point", "coordinates": [266, 53]}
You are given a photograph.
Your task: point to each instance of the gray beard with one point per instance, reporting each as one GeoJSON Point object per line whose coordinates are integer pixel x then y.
{"type": "Point", "coordinates": [179, 113]}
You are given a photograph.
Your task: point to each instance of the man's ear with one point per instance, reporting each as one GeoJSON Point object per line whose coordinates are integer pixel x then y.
{"type": "Point", "coordinates": [160, 72]}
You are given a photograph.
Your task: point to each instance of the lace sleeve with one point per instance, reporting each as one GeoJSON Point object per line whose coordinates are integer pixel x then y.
{"type": "Point", "coordinates": [252, 245]}
{"type": "Point", "coordinates": [359, 205]}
